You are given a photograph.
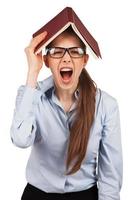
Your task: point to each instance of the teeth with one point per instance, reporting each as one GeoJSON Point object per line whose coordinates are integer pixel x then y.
{"type": "Point", "coordinates": [66, 69]}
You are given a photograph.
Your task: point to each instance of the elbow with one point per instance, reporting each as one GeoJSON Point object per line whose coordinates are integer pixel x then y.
{"type": "Point", "coordinates": [21, 142]}
{"type": "Point", "coordinates": [21, 137]}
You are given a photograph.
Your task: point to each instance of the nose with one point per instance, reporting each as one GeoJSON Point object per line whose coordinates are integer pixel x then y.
{"type": "Point", "coordinates": [66, 57]}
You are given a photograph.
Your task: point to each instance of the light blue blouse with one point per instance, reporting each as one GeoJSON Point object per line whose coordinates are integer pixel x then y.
{"type": "Point", "coordinates": [40, 121]}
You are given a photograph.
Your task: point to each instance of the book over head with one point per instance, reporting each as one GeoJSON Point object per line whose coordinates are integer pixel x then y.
{"type": "Point", "coordinates": [67, 17]}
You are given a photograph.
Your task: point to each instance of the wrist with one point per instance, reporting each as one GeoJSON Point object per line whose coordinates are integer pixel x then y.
{"type": "Point", "coordinates": [33, 73]}
{"type": "Point", "coordinates": [32, 79]}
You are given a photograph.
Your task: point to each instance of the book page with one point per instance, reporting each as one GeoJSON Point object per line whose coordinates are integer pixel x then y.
{"type": "Point", "coordinates": [84, 41]}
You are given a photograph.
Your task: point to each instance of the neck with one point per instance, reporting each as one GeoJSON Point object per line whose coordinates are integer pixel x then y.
{"type": "Point", "coordinates": [65, 95]}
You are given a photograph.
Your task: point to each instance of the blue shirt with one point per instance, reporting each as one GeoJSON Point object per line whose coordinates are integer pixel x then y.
{"type": "Point", "coordinates": [40, 121]}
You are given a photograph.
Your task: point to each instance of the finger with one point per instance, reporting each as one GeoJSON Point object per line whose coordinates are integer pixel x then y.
{"type": "Point", "coordinates": [36, 40]}
{"type": "Point", "coordinates": [40, 53]}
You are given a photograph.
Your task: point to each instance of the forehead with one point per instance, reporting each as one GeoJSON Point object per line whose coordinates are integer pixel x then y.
{"type": "Point", "coordinates": [66, 40]}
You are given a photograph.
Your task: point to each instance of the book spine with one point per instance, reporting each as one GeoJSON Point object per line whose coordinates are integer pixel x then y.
{"type": "Point", "coordinates": [70, 15]}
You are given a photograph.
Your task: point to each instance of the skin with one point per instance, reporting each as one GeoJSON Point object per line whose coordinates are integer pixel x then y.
{"type": "Point", "coordinates": [64, 91]}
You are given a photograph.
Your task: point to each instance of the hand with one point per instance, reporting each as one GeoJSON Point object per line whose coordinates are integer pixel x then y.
{"type": "Point", "coordinates": [35, 62]}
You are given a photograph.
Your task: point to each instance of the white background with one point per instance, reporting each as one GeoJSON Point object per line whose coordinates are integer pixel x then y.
{"type": "Point", "coordinates": [110, 22]}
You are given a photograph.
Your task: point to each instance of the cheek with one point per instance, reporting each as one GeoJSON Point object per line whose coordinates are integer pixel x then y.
{"type": "Point", "coordinates": [51, 64]}
{"type": "Point", "coordinates": [54, 66]}
{"type": "Point", "coordinates": [78, 68]}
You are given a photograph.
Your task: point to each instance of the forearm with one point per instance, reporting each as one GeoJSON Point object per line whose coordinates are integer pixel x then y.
{"type": "Point", "coordinates": [23, 126]}
{"type": "Point", "coordinates": [32, 79]}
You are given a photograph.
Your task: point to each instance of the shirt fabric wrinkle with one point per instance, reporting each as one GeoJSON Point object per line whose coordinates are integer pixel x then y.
{"type": "Point", "coordinates": [40, 121]}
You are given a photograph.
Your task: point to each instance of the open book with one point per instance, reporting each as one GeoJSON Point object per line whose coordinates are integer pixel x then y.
{"type": "Point", "coordinates": [67, 17]}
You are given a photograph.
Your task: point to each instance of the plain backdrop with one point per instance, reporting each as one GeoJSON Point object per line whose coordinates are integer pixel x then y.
{"type": "Point", "coordinates": [110, 22]}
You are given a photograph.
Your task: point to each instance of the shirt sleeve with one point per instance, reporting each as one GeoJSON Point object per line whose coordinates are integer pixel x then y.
{"type": "Point", "coordinates": [23, 128]}
{"type": "Point", "coordinates": [110, 163]}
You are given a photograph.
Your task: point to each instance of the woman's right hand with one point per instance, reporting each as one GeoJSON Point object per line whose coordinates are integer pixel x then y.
{"type": "Point", "coordinates": [35, 61]}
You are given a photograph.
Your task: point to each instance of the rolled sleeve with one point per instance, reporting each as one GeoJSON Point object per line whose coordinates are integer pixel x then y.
{"type": "Point", "coordinates": [110, 163]}
{"type": "Point", "coordinates": [23, 127]}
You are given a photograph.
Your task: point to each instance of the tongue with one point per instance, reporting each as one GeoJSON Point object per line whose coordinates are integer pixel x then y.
{"type": "Point", "coordinates": [66, 75]}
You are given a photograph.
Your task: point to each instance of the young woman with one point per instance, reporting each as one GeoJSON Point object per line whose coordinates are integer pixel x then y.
{"type": "Point", "coordinates": [72, 126]}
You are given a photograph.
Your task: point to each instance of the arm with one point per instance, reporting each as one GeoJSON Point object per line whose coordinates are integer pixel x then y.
{"type": "Point", "coordinates": [110, 164]}
{"type": "Point", "coordinates": [23, 128]}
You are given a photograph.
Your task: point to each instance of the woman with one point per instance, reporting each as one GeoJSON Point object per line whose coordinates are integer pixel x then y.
{"type": "Point", "coordinates": [72, 126]}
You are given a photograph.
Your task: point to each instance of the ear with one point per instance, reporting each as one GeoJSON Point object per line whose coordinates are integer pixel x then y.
{"type": "Point", "coordinates": [86, 58]}
{"type": "Point", "coordinates": [45, 59]}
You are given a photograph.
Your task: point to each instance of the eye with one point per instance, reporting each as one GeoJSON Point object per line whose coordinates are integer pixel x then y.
{"type": "Point", "coordinates": [57, 51]}
{"type": "Point", "coordinates": [74, 51]}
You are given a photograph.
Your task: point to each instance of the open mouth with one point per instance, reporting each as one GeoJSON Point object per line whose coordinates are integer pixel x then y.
{"type": "Point", "coordinates": [66, 73]}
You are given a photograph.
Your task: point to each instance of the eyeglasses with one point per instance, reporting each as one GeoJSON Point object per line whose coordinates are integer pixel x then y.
{"type": "Point", "coordinates": [59, 52]}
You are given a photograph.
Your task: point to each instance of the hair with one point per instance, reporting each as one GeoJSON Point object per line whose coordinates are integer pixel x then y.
{"type": "Point", "coordinates": [84, 116]}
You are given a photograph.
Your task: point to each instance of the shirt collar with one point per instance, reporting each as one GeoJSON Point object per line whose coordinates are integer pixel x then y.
{"type": "Point", "coordinates": [47, 86]}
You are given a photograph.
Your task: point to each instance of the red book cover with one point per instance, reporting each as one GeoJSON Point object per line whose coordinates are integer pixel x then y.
{"type": "Point", "coordinates": [62, 21]}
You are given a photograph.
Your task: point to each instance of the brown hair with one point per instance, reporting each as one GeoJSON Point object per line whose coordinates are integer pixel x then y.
{"type": "Point", "coordinates": [85, 110]}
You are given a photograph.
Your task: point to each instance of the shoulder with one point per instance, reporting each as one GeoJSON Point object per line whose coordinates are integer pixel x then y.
{"type": "Point", "coordinates": [107, 101]}
{"type": "Point", "coordinates": [45, 84]}
{"type": "Point", "coordinates": [107, 97]}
